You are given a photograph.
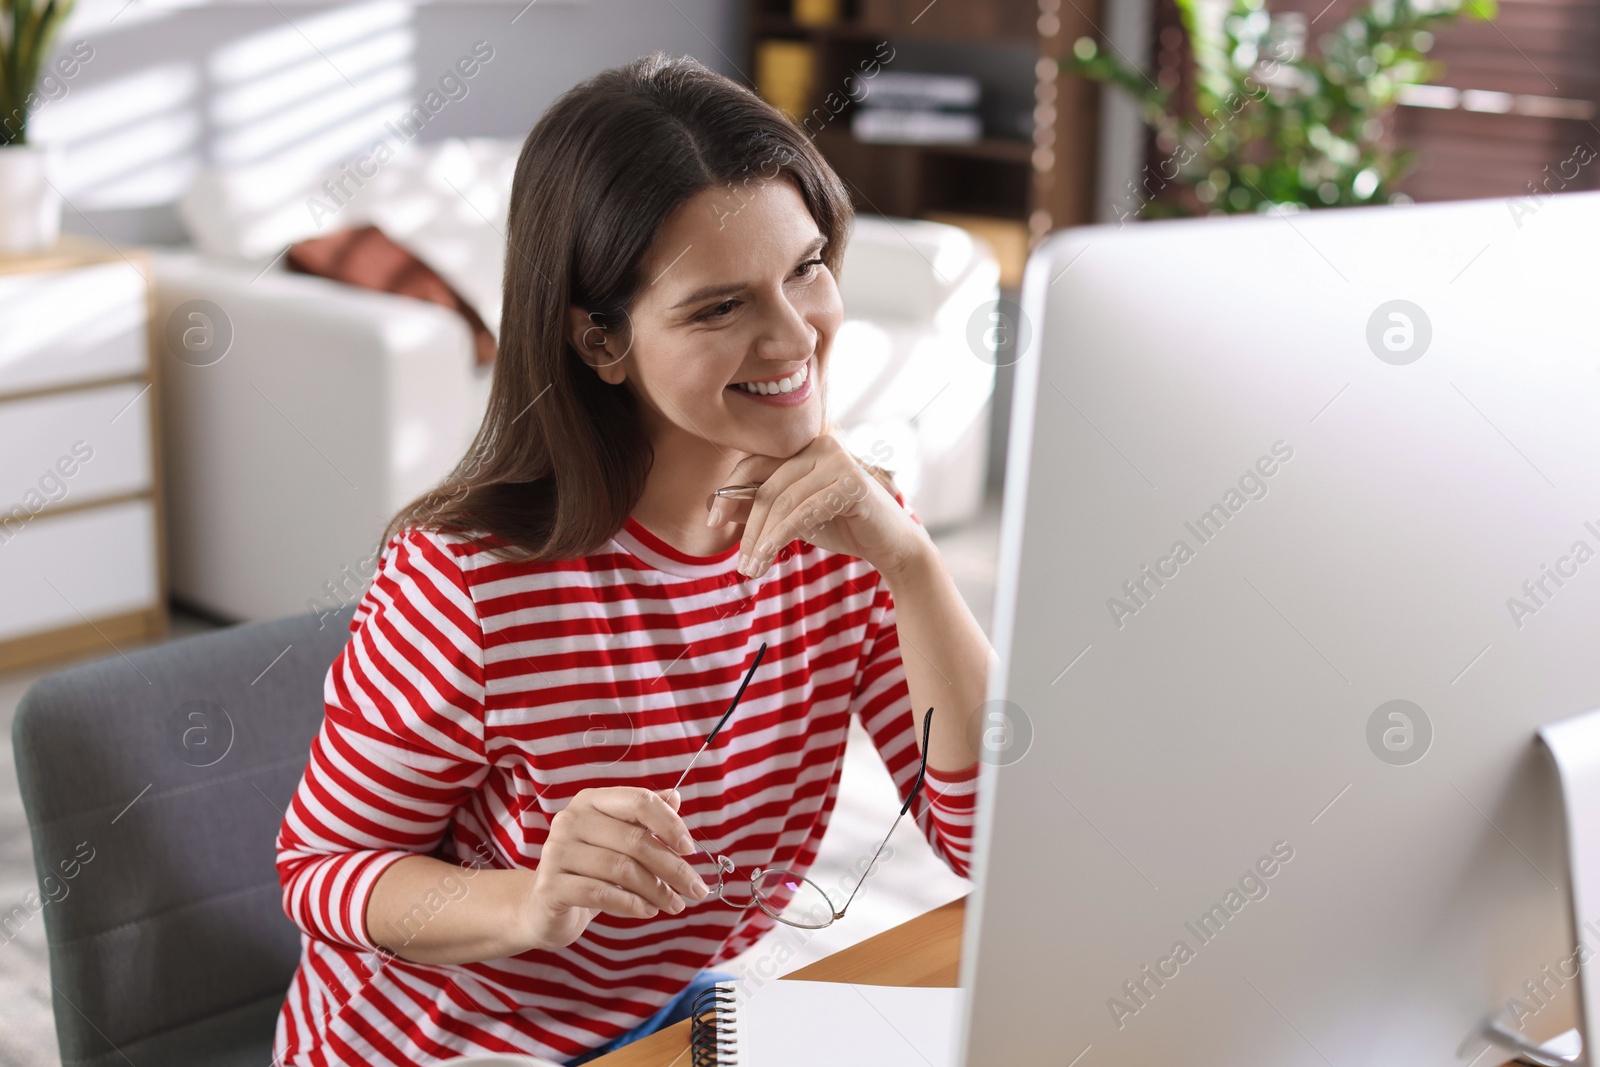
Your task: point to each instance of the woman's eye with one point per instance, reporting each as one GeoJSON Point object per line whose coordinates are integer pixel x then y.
{"type": "Point", "coordinates": [712, 314]}
{"type": "Point", "coordinates": [722, 310]}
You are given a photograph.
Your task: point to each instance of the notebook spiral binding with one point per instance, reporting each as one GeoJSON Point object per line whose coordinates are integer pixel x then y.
{"type": "Point", "coordinates": [712, 1038]}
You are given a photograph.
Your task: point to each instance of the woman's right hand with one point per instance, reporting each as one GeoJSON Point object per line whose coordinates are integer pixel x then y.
{"type": "Point", "coordinates": [617, 850]}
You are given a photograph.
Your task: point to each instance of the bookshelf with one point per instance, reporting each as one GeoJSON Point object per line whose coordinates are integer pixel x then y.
{"type": "Point", "coordinates": [1031, 170]}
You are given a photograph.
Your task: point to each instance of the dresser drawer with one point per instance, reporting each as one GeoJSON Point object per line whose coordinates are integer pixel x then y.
{"type": "Point", "coordinates": [63, 326]}
{"type": "Point", "coordinates": [99, 561]}
{"type": "Point", "coordinates": [66, 447]}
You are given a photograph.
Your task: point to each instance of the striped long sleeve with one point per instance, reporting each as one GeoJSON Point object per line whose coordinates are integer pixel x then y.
{"type": "Point", "coordinates": [947, 807]}
{"type": "Point", "coordinates": [401, 744]}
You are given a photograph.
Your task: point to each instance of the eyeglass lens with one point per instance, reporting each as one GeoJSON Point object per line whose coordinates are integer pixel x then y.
{"type": "Point", "coordinates": [792, 899]}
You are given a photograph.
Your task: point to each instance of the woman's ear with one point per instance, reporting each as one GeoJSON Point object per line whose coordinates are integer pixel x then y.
{"type": "Point", "coordinates": [596, 345]}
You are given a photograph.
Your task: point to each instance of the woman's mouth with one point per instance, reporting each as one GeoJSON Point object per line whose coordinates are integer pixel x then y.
{"type": "Point", "coordinates": [793, 389]}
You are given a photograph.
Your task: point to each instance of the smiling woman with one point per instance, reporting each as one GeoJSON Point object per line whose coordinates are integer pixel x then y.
{"type": "Point", "coordinates": [727, 347]}
{"type": "Point", "coordinates": [636, 192]}
{"type": "Point", "coordinates": [553, 630]}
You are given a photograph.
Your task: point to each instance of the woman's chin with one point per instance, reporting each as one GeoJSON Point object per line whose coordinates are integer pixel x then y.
{"type": "Point", "coordinates": [778, 442]}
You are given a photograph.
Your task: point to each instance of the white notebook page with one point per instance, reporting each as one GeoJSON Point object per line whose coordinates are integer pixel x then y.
{"type": "Point", "coordinates": [802, 1024]}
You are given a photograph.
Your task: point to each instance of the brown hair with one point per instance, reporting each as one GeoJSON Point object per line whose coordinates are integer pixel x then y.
{"type": "Point", "coordinates": [561, 457]}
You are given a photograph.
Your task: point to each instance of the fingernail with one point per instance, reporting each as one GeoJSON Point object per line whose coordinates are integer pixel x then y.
{"type": "Point", "coordinates": [677, 904]}
{"type": "Point", "coordinates": [699, 887]}
{"type": "Point", "coordinates": [713, 517]}
{"type": "Point", "coordinates": [744, 563]}
{"type": "Point", "coordinates": [686, 845]}
{"type": "Point", "coordinates": [764, 549]}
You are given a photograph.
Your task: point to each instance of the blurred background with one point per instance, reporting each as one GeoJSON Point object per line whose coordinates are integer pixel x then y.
{"type": "Point", "coordinates": [206, 417]}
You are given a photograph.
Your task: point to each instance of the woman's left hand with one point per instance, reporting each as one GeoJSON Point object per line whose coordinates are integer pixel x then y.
{"type": "Point", "coordinates": [824, 496]}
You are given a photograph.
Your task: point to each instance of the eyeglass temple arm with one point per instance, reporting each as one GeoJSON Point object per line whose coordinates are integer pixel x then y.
{"type": "Point", "coordinates": [725, 715]}
{"type": "Point", "coordinates": [927, 724]}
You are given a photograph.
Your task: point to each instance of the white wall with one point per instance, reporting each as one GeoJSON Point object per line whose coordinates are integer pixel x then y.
{"type": "Point", "coordinates": [169, 89]}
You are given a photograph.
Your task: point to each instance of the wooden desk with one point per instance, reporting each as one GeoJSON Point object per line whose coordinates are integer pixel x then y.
{"type": "Point", "coordinates": [925, 951]}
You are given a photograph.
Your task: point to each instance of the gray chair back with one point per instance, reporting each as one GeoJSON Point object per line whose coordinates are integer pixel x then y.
{"type": "Point", "coordinates": [154, 784]}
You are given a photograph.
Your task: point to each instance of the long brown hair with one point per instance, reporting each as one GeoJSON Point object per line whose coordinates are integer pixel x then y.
{"type": "Point", "coordinates": [561, 458]}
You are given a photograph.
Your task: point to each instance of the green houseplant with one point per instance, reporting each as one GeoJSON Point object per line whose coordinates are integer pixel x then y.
{"type": "Point", "coordinates": [1270, 123]}
{"type": "Point", "coordinates": [30, 207]}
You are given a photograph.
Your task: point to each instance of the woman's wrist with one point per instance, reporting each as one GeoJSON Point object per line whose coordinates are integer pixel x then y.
{"type": "Point", "coordinates": [528, 919]}
{"type": "Point", "coordinates": [511, 922]}
{"type": "Point", "coordinates": [913, 561]}
{"type": "Point", "coordinates": [522, 915]}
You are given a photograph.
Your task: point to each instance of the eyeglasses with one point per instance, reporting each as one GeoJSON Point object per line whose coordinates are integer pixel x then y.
{"type": "Point", "coordinates": [789, 897]}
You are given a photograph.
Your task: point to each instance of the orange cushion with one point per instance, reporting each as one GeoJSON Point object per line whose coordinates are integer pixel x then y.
{"type": "Point", "coordinates": [365, 256]}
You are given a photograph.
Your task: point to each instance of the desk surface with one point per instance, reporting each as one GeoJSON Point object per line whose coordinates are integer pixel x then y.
{"type": "Point", "coordinates": [924, 951]}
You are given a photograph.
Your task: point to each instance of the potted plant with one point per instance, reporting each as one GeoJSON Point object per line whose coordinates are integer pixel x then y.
{"type": "Point", "coordinates": [30, 206]}
{"type": "Point", "coordinates": [1261, 123]}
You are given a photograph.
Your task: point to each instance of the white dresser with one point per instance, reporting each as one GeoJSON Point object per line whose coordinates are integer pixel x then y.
{"type": "Point", "coordinates": [82, 562]}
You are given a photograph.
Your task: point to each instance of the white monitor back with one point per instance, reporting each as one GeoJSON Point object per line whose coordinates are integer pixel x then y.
{"type": "Point", "coordinates": [1385, 488]}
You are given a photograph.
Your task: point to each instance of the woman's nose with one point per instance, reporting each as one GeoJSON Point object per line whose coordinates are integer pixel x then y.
{"type": "Point", "coordinates": [791, 337]}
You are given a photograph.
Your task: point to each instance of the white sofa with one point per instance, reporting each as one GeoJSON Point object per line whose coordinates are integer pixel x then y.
{"type": "Point", "coordinates": [334, 406]}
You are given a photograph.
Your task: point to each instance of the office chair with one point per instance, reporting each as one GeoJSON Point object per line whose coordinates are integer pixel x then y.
{"type": "Point", "coordinates": [154, 784]}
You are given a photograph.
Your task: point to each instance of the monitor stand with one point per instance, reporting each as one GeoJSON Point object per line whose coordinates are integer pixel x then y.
{"type": "Point", "coordinates": [1573, 745]}
{"type": "Point", "coordinates": [1564, 1050]}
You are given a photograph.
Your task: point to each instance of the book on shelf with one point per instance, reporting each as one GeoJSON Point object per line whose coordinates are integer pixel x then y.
{"type": "Point", "coordinates": [785, 71]}
{"type": "Point", "coordinates": [915, 89]}
{"type": "Point", "coordinates": [815, 12]}
{"type": "Point", "coordinates": [882, 125]}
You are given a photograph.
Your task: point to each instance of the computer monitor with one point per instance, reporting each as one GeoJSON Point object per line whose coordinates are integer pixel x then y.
{"type": "Point", "coordinates": [1300, 547]}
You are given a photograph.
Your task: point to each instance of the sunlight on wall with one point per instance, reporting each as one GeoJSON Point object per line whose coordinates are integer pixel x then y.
{"type": "Point", "coordinates": [286, 113]}
{"type": "Point", "coordinates": [261, 119]}
{"type": "Point", "coordinates": [126, 141]}
{"type": "Point", "coordinates": [274, 111]}
{"type": "Point", "coordinates": [279, 94]}
{"type": "Point", "coordinates": [98, 18]}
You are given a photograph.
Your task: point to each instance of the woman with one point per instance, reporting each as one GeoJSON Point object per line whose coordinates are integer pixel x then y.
{"type": "Point", "coordinates": [485, 853]}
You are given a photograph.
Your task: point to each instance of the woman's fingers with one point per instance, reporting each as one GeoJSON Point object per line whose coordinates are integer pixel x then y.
{"type": "Point", "coordinates": [772, 493]}
{"type": "Point", "coordinates": [641, 846]}
{"type": "Point", "coordinates": [647, 809]}
{"type": "Point", "coordinates": [800, 510]}
{"type": "Point", "coordinates": [752, 470]}
{"type": "Point", "coordinates": [609, 867]}
{"type": "Point", "coordinates": [642, 825]}
{"type": "Point", "coordinates": [721, 510]}
{"type": "Point", "coordinates": [615, 850]}
{"type": "Point", "coordinates": [595, 894]}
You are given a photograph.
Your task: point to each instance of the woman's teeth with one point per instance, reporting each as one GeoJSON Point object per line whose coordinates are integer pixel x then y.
{"type": "Point", "coordinates": [782, 385]}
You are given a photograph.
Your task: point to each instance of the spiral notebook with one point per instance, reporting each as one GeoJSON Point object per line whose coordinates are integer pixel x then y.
{"type": "Point", "coordinates": [791, 1023]}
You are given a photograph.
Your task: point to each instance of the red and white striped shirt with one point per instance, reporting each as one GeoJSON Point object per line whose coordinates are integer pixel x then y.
{"type": "Point", "coordinates": [476, 696]}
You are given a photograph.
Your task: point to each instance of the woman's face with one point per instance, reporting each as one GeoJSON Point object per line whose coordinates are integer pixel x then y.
{"type": "Point", "coordinates": [734, 293]}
